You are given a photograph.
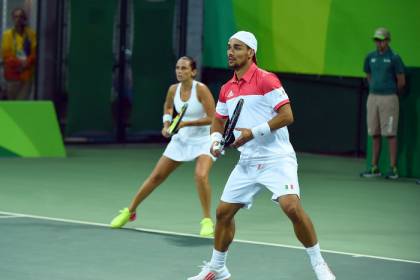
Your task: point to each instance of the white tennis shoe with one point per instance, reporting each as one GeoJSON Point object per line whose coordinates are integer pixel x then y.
{"type": "Point", "coordinates": [323, 272]}
{"type": "Point", "coordinates": [209, 273]}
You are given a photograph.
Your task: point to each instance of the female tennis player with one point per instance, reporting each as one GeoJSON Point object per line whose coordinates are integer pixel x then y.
{"type": "Point", "coordinates": [191, 142]}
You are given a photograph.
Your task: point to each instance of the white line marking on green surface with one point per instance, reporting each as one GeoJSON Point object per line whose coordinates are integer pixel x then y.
{"type": "Point", "coordinates": [16, 215]}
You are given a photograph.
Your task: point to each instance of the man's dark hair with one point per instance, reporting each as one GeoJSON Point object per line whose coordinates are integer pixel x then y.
{"type": "Point", "coordinates": [19, 9]}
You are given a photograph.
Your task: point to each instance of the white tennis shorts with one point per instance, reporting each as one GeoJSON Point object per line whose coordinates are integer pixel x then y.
{"type": "Point", "coordinates": [279, 176]}
{"type": "Point", "coordinates": [180, 149]}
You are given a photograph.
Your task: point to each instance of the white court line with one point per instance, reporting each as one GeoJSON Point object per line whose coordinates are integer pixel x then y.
{"type": "Point", "coordinates": [198, 236]}
{"type": "Point", "coordinates": [10, 217]}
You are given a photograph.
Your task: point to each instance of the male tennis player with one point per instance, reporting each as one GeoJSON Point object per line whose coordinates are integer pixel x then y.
{"type": "Point", "coordinates": [267, 157]}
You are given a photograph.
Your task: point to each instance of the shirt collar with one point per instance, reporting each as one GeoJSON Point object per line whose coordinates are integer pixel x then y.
{"type": "Point", "coordinates": [247, 76]}
{"type": "Point", "coordinates": [388, 51]}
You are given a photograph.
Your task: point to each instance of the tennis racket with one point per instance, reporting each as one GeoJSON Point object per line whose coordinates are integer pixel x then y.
{"type": "Point", "coordinates": [228, 136]}
{"type": "Point", "coordinates": [174, 126]}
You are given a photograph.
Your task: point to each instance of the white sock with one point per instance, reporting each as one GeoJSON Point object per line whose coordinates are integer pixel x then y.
{"type": "Point", "coordinates": [314, 254]}
{"type": "Point", "coordinates": [218, 259]}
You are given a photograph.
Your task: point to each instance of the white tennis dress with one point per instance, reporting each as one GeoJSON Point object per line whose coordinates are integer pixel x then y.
{"type": "Point", "coordinates": [191, 141]}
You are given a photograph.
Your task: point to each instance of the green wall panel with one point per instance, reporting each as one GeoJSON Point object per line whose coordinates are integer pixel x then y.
{"type": "Point", "coordinates": [29, 129]}
{"type": "Point", "coordinates": [326, 37]}
{"type": "Point", "coordinates": [219, 25]}
{"type": "Point", "coordinates": [90, 66]}
{"type": "Point", "coordinates": [291, 34]}
{"type": "Point", "coordinates": [351, 26]}
{"type": "Point", "coordinates": [153, 62]}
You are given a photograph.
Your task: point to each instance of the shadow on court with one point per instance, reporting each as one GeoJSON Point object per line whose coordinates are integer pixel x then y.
{"type": "Point", "coordinates": [43, 249]}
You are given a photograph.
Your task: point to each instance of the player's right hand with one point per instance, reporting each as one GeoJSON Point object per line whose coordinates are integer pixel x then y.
{"type": "Point", "coordinates": [165, 132]}
{"type": "Point", "coordinates": [216, 149]}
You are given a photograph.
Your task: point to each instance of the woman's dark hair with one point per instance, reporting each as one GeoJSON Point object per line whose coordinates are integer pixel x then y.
{"type": "Point", "coordinates": [193, 64]}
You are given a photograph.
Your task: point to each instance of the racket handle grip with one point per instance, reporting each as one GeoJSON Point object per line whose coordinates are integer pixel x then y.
{"type": "Point", "coordinates": [218, 146]}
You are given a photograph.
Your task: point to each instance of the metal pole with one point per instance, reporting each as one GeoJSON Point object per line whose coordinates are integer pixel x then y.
{"type": "Point", "coordinates": [5, 14]}
{"type": "Point", "coordinates": [122, 87]}
{"type": "Point", "coordinates": [37, 67]}
{"type": "Point", "coordinates": [60, 8]}
{"type": "Point", "coordinates": [183, 27]}
{"type": "Point", "coordinates": [359, 119]}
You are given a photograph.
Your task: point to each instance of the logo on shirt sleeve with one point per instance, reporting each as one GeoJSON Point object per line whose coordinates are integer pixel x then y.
{"type": "Point", "coordinates": [282, 92]}
{"type": "Point", "coordinates": [230, 94]}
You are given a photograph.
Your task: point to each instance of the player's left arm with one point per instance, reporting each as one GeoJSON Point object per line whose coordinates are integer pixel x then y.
{"type": "Point", "coordinates": [206, 99]}
{"type": "Point", "coordinates": [399, 69]}
{"type": "Point", "coordinates": [400, 82]}
{"type": "Point", "coordinates": [32, 57]}
{"type": "Point", "coordinates": [275, 96]}
{"type": "Point", "coordinates": [284, 117]}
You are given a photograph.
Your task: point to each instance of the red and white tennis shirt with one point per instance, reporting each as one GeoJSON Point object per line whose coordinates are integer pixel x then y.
{"type": "Point", "coordinates": [263, 95]}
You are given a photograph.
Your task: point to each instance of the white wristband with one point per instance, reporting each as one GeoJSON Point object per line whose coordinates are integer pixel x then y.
{"type": "Point", "coordinates": [216, 137]}
{"type": "Point", "coordinates": [166, 118]}
{"type": "Point", "coordinates": [261, 130]}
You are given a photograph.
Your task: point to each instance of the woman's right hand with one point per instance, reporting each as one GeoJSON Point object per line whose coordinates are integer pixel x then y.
{"type": "Point", "coordinates": [165, 132]}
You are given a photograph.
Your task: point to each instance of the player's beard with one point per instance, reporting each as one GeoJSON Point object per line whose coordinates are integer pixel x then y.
{"type": "Point", "coordinates": [237, 65]}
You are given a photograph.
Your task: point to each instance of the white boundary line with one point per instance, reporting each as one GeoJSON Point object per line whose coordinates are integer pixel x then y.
{"type": "Point", "coordinates": [10, 217]}
{"type": "Point", "coordinates": [17, 215]}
